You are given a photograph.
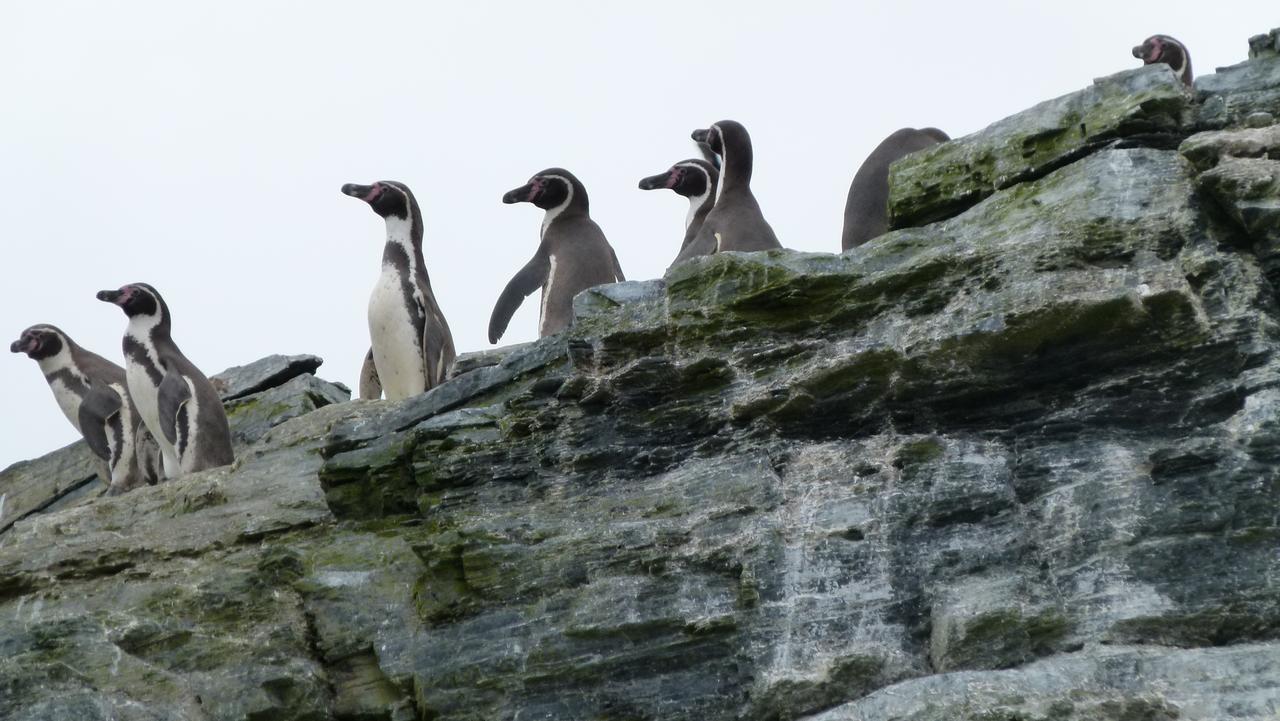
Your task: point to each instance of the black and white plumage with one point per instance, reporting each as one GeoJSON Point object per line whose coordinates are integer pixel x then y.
{"type": "Point", "coordinates": [573, 254]}
{"type": "Point", "coordinates": [176, 401]}
{"type": "Point", "coordinates": [735, 221]}
{"type": "Point", "coordinates": [91, 391]}
{"type": "Point", "coordinates": [1167, 50]}
{"type": "Point", "coordinates": [694, 179]}
{"type": "Point", "coordinates": [411, 347]}
{"type": "Point", "coordinates": [866, 211]}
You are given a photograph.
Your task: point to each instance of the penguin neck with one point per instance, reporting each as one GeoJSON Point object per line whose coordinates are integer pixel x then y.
{"type": "Point", "coordinates": [148, 330]}
{"type": "Point", "coordinates": [570, 206]}
{"type": "Point", "coordinates": [63, 360]}
{"type": "Point", "coordinates": [735, 171]}
{"type": "Point", "coordinates": [402, 241]}
{"type": "Point", "coordinates": [699, 206]}
{"type": "Point", "coordinates": [1183, 70]}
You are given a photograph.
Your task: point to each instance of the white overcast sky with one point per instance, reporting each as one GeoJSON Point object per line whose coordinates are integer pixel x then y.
{"type": "Point", "coordinates": [200, 146]}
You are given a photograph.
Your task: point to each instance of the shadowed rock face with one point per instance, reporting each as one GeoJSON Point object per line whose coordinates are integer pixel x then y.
{"type": "Point", "coordinates": [1020, 463]}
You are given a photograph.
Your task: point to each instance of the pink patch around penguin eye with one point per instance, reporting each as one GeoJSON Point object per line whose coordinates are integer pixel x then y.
{"type": "Point", "coordinates": [1153, 55]}
{"type": "Point", "coordinates": [374, 192]}
{"type": "Point", "coordinates": [673, 178]}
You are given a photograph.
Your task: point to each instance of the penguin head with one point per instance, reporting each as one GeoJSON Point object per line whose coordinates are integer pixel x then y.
{"type": "Point", "coordinates": [1163, 49]}
{"type": "Point", "coordinates": [549, 189]}
{"type": "Point", "coordinates": [40, 342]}
{"type": "Point", "coordinates": [689, 178]}
{"type": "Point", "coordinates": [729, 140]}
{"type": "Point", "coordinates": [710, 137]}
{"type": "Point", "coordinates": [724, 133]}
{"type": "Point", "coordinates": [388, 198]}
{"type": "Point", "coordinates": [136, 300]}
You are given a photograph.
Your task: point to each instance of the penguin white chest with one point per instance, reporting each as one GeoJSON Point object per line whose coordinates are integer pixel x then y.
{"type": "Point", "coordinates": [397, 352]}
{"type": "Point", "coordinates": [146, 398]}
{"type": "Point", "coordinates": [544, 319]}
{"type": "Point", "coordinates": [68, 401]}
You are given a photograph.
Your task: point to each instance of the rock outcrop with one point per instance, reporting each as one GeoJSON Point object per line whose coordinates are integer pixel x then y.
{"type": "Point", "coordinates": [1018, 463]}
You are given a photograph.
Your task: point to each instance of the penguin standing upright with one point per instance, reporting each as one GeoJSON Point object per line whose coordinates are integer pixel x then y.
{"type": "Point", "coordinates": [573, 254]}
{"type": "Point", "coordinates": [175, 400]}
{"type": "Point", "coordinates": [1164, 49]}
{"type": "Point", "coordinates": [91, 392]}
{"type": "Point", "coordinates": [411, 347]}
{"type": "Point", "coordinates": [735, 221]}
{"type": "Point", "coordinates": [866, 212]}
{"type": "Point", "coordinates": [694, 179]}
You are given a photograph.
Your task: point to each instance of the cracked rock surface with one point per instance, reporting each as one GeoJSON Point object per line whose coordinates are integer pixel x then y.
{"type": "Point", "coordinates": [1018, 463]}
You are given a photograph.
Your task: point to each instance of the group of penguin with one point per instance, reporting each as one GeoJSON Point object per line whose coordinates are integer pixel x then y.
{"type": "Point", "coordinates": [159, 417]}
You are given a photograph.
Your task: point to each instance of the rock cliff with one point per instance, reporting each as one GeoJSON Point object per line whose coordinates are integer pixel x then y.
{"type": "Point", "coordinates": [1015, 460]}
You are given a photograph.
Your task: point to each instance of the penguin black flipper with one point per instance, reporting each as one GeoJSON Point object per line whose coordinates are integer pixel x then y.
{"type": "Point", "coordinates": [522, 284]}
{"type": "Point", "coordinates": [617, 267]}
{"type": "Point", "coordinates": [370, 384]}
{"type": "Point", "coordinates": [436, 339]}
{"type": "Point", "coordinates": [100, 423]}
{"type": "Point", "coordinates": [437, 336]}
{"type": "Point", "coordinates": [173, 395]}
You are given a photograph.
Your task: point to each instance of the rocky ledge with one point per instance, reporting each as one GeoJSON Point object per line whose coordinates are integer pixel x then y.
{"type": "Point", "coordinates": [1019, 463]}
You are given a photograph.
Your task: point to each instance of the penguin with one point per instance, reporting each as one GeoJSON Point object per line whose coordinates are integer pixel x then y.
{"type": "Point", "coordinates": [573, 254]}
{"type": "Point", "coordinates": [91, 391]}
{"type": "Point", "coordinates": [694, 179]}
{"type": "Point", "coordinates": [1164, 49]}
{"type": "Point", "coordinates": [735, 221]}
{"type": "Point", "coordinates": [177, 402]}
{"type": "Point", "coordinates": [411, 346]}
{"type": "Point", "coordinates": [866, 212]}
{"type": "Point", "coordinates": [709, 155]}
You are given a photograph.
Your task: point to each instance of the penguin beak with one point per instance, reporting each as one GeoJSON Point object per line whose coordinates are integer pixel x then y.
{"type": "Point", "coordinates": [700, 135]}
{"type": "Point", "coordinates": [1139, 53]}
{"type": "Point", "coordinates": [26, 345]}
{"type": "Point", "coordinates": [524, 194]}
{"type": "Point", "coordinates": [655, 182]}
{"type": "Point", "coordinates": [110, 296]}
{"type": "Point", "coordinates": [367, 193]}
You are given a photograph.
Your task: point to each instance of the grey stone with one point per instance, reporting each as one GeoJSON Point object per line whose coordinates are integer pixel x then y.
{"type": "Point", "coordinates": [1205, 150]}
{"type": "Point", "coordinates": [381, 419]}
{"type": "Point", "coordinates": [1098, 685]}
{"type": "Point", "coordinates": [251, 416]}
{"type": "Point", "coordinates": [467, 362]}
{"type": "Point", "coordinates": [941, 181]}
{"type": "Point", "coordinates": [29, 486]}
{"type": "Point", "coordinates": [1259, 119]}
{"type": "Point", "coordinates": [262, 374]}
{"type": "Point", "coordinates": [1265, 45]}
{"type": "Point", "coordinates": [1240, 172]}
{"type": "Point", "coordinates": [1234, 93]}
